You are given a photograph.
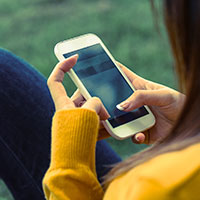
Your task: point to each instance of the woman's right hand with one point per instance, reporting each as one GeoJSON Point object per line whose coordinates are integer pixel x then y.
{"type": "Point", "coordinates": [165, 103]}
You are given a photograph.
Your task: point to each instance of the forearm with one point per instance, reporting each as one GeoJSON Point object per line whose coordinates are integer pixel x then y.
{"type": "Point", "coordinates": [72, 173]}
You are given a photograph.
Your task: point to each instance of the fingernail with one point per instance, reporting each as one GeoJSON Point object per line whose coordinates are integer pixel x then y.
{"type": "Point", "coordinates": [76, 55]}
{"type": "Point", "coordinates": [123, 105]}
{"type": "Point", "coordinates": [138, 138]}
{"type": "Point", "coordinates": [119, 107]}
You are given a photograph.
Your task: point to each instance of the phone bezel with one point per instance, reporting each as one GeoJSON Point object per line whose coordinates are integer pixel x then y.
{"type": "Point", "coordinates": [119, 132]}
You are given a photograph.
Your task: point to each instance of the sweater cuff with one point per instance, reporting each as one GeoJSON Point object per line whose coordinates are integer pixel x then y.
{"type": "Point", "coordinates": [74, 136]}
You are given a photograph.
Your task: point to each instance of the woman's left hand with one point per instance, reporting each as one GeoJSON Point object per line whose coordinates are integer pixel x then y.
{"type": "Point", "coordinates": [59, 94]}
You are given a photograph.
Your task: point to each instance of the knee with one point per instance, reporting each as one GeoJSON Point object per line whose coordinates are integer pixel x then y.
{"type": "Point", "coordinates": [7, 65]}
{"type": "Point", "coordinates": [11, 66]}
{"type": "Point", "coordinates": [6, 57]}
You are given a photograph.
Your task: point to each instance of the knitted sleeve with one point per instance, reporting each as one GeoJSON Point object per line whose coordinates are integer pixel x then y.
{"type": "Point", "coordinates": [71, 174]}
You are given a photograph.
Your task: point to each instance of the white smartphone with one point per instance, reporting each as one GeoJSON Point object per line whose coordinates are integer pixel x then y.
{"type": "Point", "coordinates": [97, 74]}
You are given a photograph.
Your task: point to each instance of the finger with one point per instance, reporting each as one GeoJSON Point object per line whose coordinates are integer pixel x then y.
{"type": "Point", "coordinates": [78, 98]}
{"type": "Point", "coordinates": [137, 81]}
{"type": "Point", "coordinates": [131, 75]}
{"type": "Point", "coordinates": [140, 98]}
{"type": "Point", "coordinates": [141, 138]}
{"type": "Point", "coordinates": [138, 138]}
{"type": "Point", "coordinates": [95, 104]}
{"type": "Point", "coordinates": [55, 85]}
{"type": "Point", "coordinates": [103, 134]}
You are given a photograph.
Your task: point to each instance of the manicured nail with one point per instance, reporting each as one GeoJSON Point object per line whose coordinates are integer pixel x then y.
{"type": "Point", "coordinates": [123, 105]}
{"type": "Point", "coordinates": [138, 138]}
{"type": "Point", "coordinates": [119, 107]}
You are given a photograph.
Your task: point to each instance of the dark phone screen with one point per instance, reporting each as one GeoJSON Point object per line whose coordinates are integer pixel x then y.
{"type": "Point", "coordinates": [102, 79]}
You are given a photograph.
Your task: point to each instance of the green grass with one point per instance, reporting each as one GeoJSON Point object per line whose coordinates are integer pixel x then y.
{"type": "Point", "coordinates": [30, 29]}
{"type": "Point", "coordinates": [4, 192]}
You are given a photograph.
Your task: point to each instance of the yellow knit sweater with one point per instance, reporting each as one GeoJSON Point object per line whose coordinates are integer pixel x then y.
{"type": "Point", "coordinates": [72, 174]}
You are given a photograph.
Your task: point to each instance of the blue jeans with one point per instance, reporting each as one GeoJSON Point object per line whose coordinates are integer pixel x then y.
{"type": "Point", "coordinates": [26, 110]}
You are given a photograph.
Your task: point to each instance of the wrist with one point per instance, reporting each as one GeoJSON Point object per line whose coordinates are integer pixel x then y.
{"type": "Point", "coordinates": [74, 136]}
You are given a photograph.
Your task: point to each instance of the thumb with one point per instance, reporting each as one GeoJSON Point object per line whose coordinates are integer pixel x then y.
{"type": "Point", "coordinates": [96, 105]}
{"type": "Point", "coordinates": [161, 97]}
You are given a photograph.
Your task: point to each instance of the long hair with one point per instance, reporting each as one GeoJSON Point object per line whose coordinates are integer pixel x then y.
{"type": "Point", "coordinates": [182, 19]}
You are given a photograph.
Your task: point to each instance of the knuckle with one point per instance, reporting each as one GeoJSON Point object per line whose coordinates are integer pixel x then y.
{"type": "Point", "coordinates": [49, 82]}
{"type": "Point", "coordinates": [97, 99]}
{"type": "Point", "coordinates": [138, 94]}
{"type": "Point", "coordinates": [170, 95]}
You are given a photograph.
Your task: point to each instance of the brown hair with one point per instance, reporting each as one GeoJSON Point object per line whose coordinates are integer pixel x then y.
{"type": "Point", "coordinates": [182, 19]}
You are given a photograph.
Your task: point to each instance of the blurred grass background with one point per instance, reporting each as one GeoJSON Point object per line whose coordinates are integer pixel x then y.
{"type": "Point", "coordinates": [30, 29]}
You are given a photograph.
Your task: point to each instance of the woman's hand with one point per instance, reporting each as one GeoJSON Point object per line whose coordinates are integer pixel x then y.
{"type": "Point", "coordinates": [59, 94]}
{"type": "Point", "coordinates": [165, 103]}
{"type": "Point", "coordinates": [79, 101]}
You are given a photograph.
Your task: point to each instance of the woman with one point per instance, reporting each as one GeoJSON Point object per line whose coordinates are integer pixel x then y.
{"type": "Point", "coordinates": [170, 169]}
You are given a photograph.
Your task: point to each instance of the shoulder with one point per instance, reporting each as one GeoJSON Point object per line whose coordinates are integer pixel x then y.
{"type": "Point", "coordinates": [171, 168]}
{"type": "Point", "coordinates": [165, 176]}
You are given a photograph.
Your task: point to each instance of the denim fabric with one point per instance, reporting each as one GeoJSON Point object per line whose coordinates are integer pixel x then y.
{"type": "Point", "coordinates": [26, 110]}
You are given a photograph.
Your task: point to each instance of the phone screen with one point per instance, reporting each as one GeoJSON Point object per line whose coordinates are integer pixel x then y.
{"type": "Point", "coordinates": [102, 79]}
